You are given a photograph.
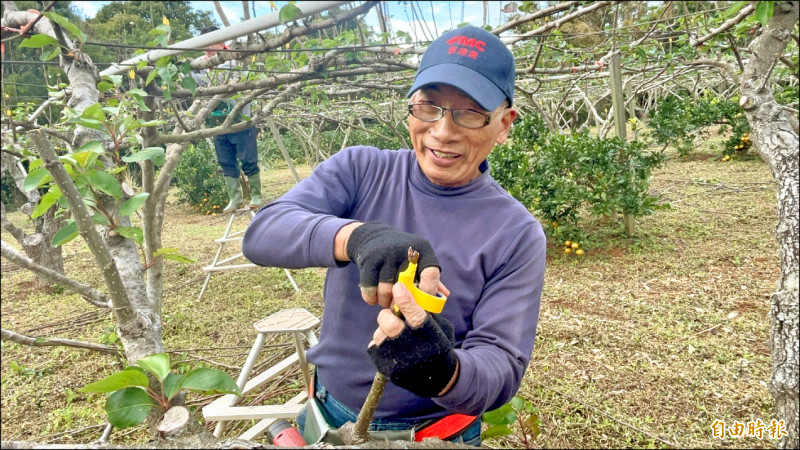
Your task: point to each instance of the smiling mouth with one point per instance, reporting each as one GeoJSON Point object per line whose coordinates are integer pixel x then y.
{"type": "Point", "coordinates": [444, 155]}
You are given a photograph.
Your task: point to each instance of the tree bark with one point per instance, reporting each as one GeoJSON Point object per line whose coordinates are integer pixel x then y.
{"type": "Point", "coordinates": [777, 142]}
{"type": "Point", "coordinates": [89, 294]}
{"type": "Point", "coordinates": [37, 245]}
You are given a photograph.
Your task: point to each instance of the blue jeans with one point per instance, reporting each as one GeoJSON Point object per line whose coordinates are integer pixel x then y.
{"type": "Point", "coordinates": [240, 145]}
{"type": "Point", "coordinates": [339, 414]}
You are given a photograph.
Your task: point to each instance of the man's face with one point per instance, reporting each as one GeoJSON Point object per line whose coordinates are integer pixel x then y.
{"type": "Point", "coordinates": [448, 153]}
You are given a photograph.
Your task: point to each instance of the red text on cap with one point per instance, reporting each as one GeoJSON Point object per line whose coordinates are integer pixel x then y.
{"type": "Point", "coordinates": [465, 44]}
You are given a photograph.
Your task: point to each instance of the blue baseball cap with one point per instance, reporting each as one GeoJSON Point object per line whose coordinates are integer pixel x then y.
{"type": "Point", "coordinates": [470, 59]}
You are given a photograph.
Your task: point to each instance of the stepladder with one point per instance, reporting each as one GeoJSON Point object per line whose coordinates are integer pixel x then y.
{"type": "Point", "coordinates": [300, 325]}
{"type": "Point", "coordinates": [222, 263]}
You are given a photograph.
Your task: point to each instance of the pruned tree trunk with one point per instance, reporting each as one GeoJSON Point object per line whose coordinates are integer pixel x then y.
{"type": "Point", "coordinates": [777, 142]}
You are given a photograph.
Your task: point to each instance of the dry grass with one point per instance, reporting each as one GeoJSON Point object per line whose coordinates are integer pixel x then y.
{"type": "Point", "coordinates": [644, 341]}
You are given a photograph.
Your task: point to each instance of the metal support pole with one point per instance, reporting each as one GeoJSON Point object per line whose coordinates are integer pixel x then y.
{"type": "Point", "coordinates": [226, 34]}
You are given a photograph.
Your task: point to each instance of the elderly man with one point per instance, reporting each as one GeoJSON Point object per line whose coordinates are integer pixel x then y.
{"type": "Point", "coordinates": [360, 211]}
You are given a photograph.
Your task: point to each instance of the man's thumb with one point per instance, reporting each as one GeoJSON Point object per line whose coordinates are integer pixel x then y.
{"type": "Point", "coordinates": [413, 313]}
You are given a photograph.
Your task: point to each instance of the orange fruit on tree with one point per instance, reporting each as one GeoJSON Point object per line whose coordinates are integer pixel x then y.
{"type": "Point", "coordinates": [575, 245]}
{"type": "Point", "coordinates": [567, 250]}
{"type": "Point", "coordinates": [567, 243]}
{"type": "Point", "coordinates": [579, 251]}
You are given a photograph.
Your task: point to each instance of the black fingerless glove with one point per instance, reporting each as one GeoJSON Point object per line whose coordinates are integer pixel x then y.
{"type": "Point", "coordinates": [380, 251]}
{"type": "Point", "coordinates": [421, 360]}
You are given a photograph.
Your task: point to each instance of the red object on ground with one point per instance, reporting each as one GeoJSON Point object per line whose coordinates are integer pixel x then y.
{"type": "Point", "coordinates": [446, 427]}
{"type": "Point", "coordinates": [283, 434]}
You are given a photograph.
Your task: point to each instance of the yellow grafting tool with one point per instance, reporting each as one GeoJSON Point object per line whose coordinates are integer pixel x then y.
{"type": "Point", "coordinates": [431, 303]}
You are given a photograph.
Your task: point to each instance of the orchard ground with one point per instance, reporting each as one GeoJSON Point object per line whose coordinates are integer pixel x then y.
{"type": "Point", "coordinates": [643, 341]}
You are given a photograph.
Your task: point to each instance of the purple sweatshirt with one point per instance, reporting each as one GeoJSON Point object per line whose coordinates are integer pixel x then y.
{"type": "Point", "coordinates": [492, 255]}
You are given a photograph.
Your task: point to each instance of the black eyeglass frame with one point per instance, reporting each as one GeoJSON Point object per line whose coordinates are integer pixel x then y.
{"type": "Point", "coordinates": [487, 117]}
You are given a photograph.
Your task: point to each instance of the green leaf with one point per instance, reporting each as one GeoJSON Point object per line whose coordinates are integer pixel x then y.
{"type": "Point", "coordinates": [764, 11]}
{"type": "Point", "coordinates": [134, 233]}
{"type": "Point", "coordinates": [163, 39]}
{"type": "Point", "coordinates": [140, 101]}
{"type": "Point", "coordinates": [503, 415]}
{"type": "Point", "coordinates": [115, 79]}
{"type": "Point", "coordinates": [133, 203]}
{"type": "Point", "coordinates": [172, 385]}
{"type": "Point", "coordinates": [190, 84]}
{"type": "Point", "coordinates": [113, 111]}
{"type": "Point", "coordinates": [94, 112]}
{"type": "Point", "coordinates": [105, 182]}
{"type": "Point", "coordinates": [84, 159]}
{"type": "Point", "coordinates": [152, 123]}
{"type": "Point", "coordinates": [157, 364]}
{"type": "Point", "coordinates": [117, 381]}
{"type": "Point", "coordinates": [499, 430]}
{"type": "Point", "coordinates": [100, 219]}
{"type": "Point", "coordinates": [210, 381]}
{"type": "Point", "coordinates": [736, 6]}
{"type": "Point", "coordinates": [180, 258]}
{"type": "Point", "coordinates": [92, 146]}
{"type": "Point", "coordinates": [518, 403]}
{"type": "Point", "coordinates": [150, 77]}
{"type": "Point", "coordinates": [67, 25]}
{"type": "Point", "coordinates": [128, 407]}
{"type": "Point", "coordinates": [155, 154]}
{"type": "Point", "coordinates": [51, 53]}
{"type": "Point", "coordinates": [116, 170]}
{"type": "Point", "coordinates": [66, 233]}
{"type": "Point", "coordinates": [35, 164]}
{"type": "Point", "coordinates": [38, 41]}
{"type": "Point", "coordinates": [172, 254]}
{"type": "Point", "coordinates": [164, 251]}
{"type": "Point", "coordinates": [89, 123]}
{"type": "Point", "coordinates": [288, 12]}
{"type": "Point", "coordinates": [36, 178]}
{"type": "Point", "coordinates": [46, 201]}
{"type": "Point", "coordinates": [137, 92]}
{"type": "Point", "coordinates": [166, 75]}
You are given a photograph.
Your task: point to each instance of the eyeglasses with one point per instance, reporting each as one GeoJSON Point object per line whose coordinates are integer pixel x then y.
{"type": "Point", "coordinates": [466, 118]}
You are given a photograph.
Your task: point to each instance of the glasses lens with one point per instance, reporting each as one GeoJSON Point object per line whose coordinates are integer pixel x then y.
{"type": "Point", "coordinates": [428, 113]}
{"type": "Point", "coordinates": [463, 117]}
{"type": "Point", "coordinates": [469, 119]}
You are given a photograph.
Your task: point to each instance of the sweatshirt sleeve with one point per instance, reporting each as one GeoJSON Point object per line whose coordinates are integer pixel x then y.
{"type": "Point", "coordinates": [298, 229]}
{"type": "Point", "coordinates": [496, 351]}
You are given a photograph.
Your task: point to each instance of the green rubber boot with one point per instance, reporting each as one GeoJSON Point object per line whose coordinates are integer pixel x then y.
{"type": "Point", "coordinates": [255, 190]}
{"type": "Point", "coordinates": [234, 194]}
